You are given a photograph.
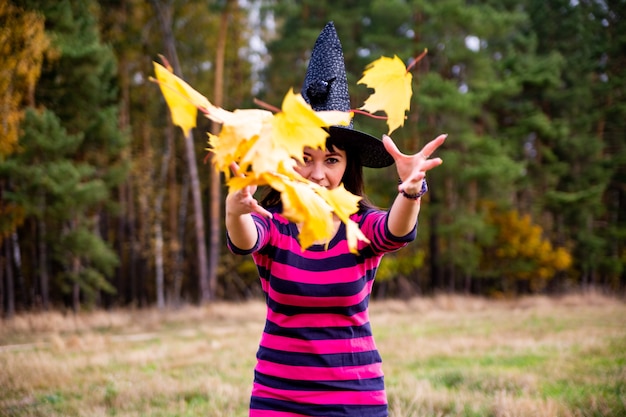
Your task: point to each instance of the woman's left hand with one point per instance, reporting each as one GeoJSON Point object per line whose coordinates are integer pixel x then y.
{"type": "Point", "coordinates": [412, 168]}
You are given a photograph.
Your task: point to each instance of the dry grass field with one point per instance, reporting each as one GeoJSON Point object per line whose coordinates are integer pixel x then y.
{"type": "Point", "coordinates": [443, 356]}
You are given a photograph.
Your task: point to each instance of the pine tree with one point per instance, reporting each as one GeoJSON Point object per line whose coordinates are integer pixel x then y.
{"type": "Point", "coordinates": [564, 103]}
{"type": "Point", "coordinates": [77, 89]}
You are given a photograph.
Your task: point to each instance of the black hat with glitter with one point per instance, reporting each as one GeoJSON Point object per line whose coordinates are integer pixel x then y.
{"type": "Point", "coordinates": [326, 88]}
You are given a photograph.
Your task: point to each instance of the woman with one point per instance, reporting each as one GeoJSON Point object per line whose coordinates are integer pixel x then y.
{"type": "Point", "coordinates": [317, 355]}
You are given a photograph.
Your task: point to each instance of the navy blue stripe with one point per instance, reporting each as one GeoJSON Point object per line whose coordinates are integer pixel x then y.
{"type": "Point", "coordinates": [235, 249]}
{"type": "Point", "coordinates": [264, 273]}
{"type": "Point", "coordinates": [409, 237]}
{"type": "Point", "coordinates": [343, 289]}
{"type": "Point", "coordinates": [294, 310]}
{"type": "Point", "coordinates": [313, 410]}
{"type": "Point", "coordinates": [319, 333]}
{"type": "Point", "coordinates": [368, 384]}
{"type": "Point", "coordinates": [294, 258]}
{"type": "Point", "coordinates": [332, 360]}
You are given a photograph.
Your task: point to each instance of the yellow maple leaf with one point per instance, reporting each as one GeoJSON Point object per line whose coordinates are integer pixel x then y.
{"type": "Point", "coordinates": [343, 203]}
{"type": "Point", "coordinates": [353, 235]}
{"type": "Point", "coordinates": [241, 130]}
{"type": "Point", "coordinates": [314, 215]}
{"type": "Point", "coordinates": [182, 100]}
{"type": "Point", "coordinates": [392, 90]}
{"type": "Point", "coordinates": [303, 206]}
{"type": "Point", "coordinates": [298, 125]}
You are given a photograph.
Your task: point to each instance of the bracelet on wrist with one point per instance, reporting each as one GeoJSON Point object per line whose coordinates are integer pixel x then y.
{"type": "Point", "coordinates": [421, 192]}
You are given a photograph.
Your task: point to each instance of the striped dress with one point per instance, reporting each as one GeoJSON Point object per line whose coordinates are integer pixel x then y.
{"type": "Point", "coordinates": [317, 355]}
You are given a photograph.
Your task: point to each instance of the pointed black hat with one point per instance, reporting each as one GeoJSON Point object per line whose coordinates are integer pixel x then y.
{"type": "Point", "coordinates": [326, 88]}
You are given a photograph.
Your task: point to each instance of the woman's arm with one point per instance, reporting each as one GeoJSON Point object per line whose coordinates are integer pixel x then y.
{"type": "Point", "coordinates": [412, 171]}
{"type": "Point", "coordinates": [239, 223]}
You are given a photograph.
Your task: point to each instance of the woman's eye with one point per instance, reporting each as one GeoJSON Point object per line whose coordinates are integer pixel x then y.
{"type": "Point", "coordinates": [332, 161]}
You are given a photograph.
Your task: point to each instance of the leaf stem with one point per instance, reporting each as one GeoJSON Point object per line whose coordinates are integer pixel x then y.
{"type": "Point", "coordinates": [266, 106]}
{"type": "Point", "coordinates": [416, 60]}
{"type": "Point", "coordinates": [368, 114]}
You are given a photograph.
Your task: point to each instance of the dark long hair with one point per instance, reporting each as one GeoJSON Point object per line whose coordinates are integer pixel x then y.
{"type": "Point", "coordinates": [352, 178]}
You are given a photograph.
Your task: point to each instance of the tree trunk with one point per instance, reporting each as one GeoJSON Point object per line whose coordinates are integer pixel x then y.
{"type": "Point", "coordinates": [436, 278]}
{"type": "Point", "coordinates": [215, 185]}
{"type": "Point", "coordinates": [124, 242]}
{"type": "Point", "coordinates": [10, 288]}
{"type": "Point", "coordinates": [158, 222]}
{"type": "Point", "coordinates": [164, 16]}
{"type": "Point", "coordinates": [18, 277]}
{"type": "Point", "coordinates": [75, 272]}
{"type": "Point", "coordinates": [180, 233]}
{"type": "Point", "coordinates": [134, 245]}
{"type": "Point", "coordinates": [203, 273]}
{"type": "Point", "coordinates": [158, 254]}
{"type": "Point", "coordinates": [177, 233]}
{"type": "Point", "coordinates": [43, 265]}
{"type": "Point", "coordinates": [75, 291]}
{"type": "Point", "coordinates": [2, 269]}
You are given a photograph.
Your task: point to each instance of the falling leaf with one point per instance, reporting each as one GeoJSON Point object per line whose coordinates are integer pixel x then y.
{"type": "Point", "coordinates": [298, 125]}
{"type": "Point", "coordinates": [314, 215]}
{"type": "Point", "coordinates": [238, 139]}
{"type": "Point", "coordinates": [182, 100]}
{"type": "Point", "coordinates": [392, 90]}
{"type": "Point", "coordinates": [344, 204]}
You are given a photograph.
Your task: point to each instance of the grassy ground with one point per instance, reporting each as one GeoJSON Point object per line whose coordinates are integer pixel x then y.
{"type": "Point", "coordinates": [443, 356]}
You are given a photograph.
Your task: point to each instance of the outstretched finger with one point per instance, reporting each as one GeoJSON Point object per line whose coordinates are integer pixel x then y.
{"type": "Point", "coordinates": [392, 148]}
{"type": "Point", "coordinates": [431, 163]}
{"type": "Point", "coordinates": [247, 191]}
{"type": "Point", "coordinates": [432, 146]}
{"type": "Point", "coordinates": [234, 168]}
{"type": "Point", "coordinates": [259, 209]}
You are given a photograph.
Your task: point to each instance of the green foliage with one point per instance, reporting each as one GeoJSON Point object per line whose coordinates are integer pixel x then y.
{"type": "Point", "coordinates": [55, 189]}
{"type": "Point", "coordinates": [96, 258]}
{"type": "Point", "coordinates": [403, 263]}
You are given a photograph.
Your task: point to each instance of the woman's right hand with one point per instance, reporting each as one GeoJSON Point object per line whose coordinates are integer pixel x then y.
{"type": "Point", "coordinates": [241, 202]}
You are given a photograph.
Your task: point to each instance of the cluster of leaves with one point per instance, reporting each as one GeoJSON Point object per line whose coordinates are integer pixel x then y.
{"type": "Point", "coordinates": [522, 253]}
{"type": "Point", "coordinates": [266, 146]}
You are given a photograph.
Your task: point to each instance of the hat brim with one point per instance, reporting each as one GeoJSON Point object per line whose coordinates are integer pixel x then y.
{"type": "Point", "coordinates": [372, 151]}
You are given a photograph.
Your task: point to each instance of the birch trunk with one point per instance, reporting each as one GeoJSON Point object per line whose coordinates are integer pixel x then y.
{"type": "Point", "coordinates": [164, 16]}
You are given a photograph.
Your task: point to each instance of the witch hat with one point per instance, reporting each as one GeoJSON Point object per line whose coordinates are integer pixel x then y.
{"type": "Point", "coordinates": [326, 88]}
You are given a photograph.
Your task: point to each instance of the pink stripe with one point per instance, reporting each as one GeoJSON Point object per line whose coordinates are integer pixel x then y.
{"type": "Point", "coordinates": [308, 301]}
{"type": "Point", "coordinates": [336, 275]}
{"type": "Point", "coordinates": [326, 397]}
{"type": "Point", "coordinates": [319, 347]}
{"type": "Point", "coordinates": [291, 273]}
{"type": "Point", "coordinates": [313, 373]}
{"type": "Point", "coordinates": [293, 245]}
{"type": "Point", "coordinates": [317, 320]}
{"type": "Point", "coordinates": [269, 413]}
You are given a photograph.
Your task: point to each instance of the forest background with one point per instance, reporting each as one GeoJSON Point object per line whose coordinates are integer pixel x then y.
{"type": "Point", "coordinates": [104, 203]}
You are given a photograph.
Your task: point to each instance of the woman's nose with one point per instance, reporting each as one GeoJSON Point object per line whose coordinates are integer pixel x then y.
{"type": "Point", "coordinates": [317, 173]}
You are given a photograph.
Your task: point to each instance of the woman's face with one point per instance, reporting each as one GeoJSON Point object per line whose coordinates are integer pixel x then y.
{"type": "Point", "coordinates": [323, 167]}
